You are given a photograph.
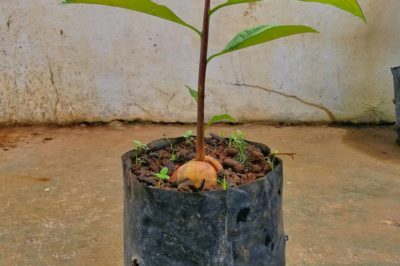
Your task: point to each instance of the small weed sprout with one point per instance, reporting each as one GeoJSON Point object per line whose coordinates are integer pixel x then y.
{"type": "Point", "coordinates": [270, 159]}
{"type": "Point", "coordinates": [223, 183]}
{"type": "Point", "coordinates": [140, 148]}
{"type": "Point", "coordinates": [271, 162]}
{"type": "Point", "coordinates": [188, 136]}
{"type": "Point", "coordinates": [236, 140]}
{"type": "Point", "coordinates": [163, 174]}
{"type": "Point", "coordinates": [174, 156]}
{"type": "Point", "coordinates": [171, 144]}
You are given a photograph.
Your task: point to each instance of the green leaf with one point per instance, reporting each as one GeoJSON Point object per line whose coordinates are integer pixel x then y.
{"type": "Point", "coordinates": [193, 93]}
{"type": "Point", "coordinates": [229, 3]}
{"type": "Point", "coordinates": [163, 174]}
{"type": "Point", "coordinates": [139, 145]}
{"type": "Point", "coordinates": [143, 6]}
{"type": "Point", "coordinates": [164, 171]}
{"type": "Point", "coordinates": [223, 183]}
{"type": "Point", "coordinates": [187, 134]}
{"type": "Point", "coordinates": [261, 34]}
{"type": "Point", "coordinates": [162, 177]}
{"type": "Point", "coordinates": [351, 6]}
{"type": "Point", "coordinates": [220, 118]}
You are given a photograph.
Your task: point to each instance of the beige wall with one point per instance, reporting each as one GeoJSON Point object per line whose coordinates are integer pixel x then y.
{"type": "Point", "coordinates": [88, 63]}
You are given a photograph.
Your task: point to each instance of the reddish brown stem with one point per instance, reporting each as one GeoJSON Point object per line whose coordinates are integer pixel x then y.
{"type": "Point", "coordinates": [284, 154]}
{"type": "Point", "coordinates": [200, 150]}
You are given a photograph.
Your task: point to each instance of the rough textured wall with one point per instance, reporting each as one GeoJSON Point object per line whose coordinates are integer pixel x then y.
{"type": "Point", "coordinates": [89, 63]}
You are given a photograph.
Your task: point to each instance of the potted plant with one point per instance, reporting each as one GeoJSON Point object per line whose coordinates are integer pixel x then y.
{"type": "Point", "coordinates": [186, 206]}
{"type": "Point", "coordinates": [396, 77]}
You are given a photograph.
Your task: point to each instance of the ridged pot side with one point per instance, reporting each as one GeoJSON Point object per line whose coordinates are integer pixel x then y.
{"type": "Point", "coordinates": [239, 226]}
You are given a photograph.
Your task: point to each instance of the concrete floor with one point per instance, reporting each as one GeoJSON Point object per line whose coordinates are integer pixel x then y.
{"type": "Point", "coordinates": [61, 193]}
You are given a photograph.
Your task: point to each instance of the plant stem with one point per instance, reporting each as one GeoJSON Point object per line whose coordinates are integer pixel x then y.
{"type": "Point", "coordinates": [284, 154]}
{"type": "Point", "coordinates": [200, 150]}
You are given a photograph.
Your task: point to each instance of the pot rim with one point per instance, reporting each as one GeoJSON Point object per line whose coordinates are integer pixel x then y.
{"type": "Point", "coordinates": [128, 156]}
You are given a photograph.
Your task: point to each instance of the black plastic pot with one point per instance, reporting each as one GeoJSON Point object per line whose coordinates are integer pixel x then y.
{"type": "Point", "coordinates": [396, 77]}
{"type": "Point", "coordinates": [240, 226]}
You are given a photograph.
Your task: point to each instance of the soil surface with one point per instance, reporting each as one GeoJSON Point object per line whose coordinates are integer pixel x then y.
{"type": "Point", "coordinates": [239, 168]}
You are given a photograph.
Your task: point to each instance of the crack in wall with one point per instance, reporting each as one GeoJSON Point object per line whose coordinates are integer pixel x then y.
{"type": "Point", "coordinates": [141, 108]}
{"type": "Point", "coordinates": [57, 102]}
{"type": "Point", "coordinates": [170, 100]}
{"type": "Point", "coordinates": [51, 76]}
{"type": "Point", "coordinates": [172, 96]}
{"type": "Point", "coordinates": [163, 92]}
{"type": "Point", "coordinates": [9, 21]}
{"type": "Point", "coordinates": [318, 106]}
{"type": "Point", "coordinates": [340, 88]}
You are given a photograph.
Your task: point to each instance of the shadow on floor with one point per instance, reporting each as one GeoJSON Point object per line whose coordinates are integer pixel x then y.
{"type": "Point", "coordinates": [379, 144]}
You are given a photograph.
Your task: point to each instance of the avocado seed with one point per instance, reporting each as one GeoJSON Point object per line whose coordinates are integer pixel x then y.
{"type": "Point", "coordinates": [202, 173]}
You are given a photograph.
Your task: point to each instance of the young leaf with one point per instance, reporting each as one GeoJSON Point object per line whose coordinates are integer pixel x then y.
{"type": "Point", "coordinates": [220, 118]}
{"type": "Point", "coordinates": [163, 174]}
{"type": "Point", "coordinates": [143, 6]}
{"type": "Point", "coordinates": [164, 171]}
{"type": "Point", "coordinates": [229, 3]}
{"type": "Point", "coordinates": [351, 6]}
{"type": "Point", "coordinates": [223, 183]}
{"type": "Point", "coordinates": [193, 93]}
{"type": "Point", "coordinates": [137, 143]}
{"type": "Point", "coordinates": [140, 146]}
{"type": "Point", "coordinates": [187, 134]}
{"type": "Point", "coordinates": [261, 34]}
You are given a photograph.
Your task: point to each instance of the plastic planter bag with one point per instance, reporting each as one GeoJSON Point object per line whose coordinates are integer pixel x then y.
{"type": "Point", "coordinates": [239, 226]}
{"type": "Point", "coordinates": [396, 76]}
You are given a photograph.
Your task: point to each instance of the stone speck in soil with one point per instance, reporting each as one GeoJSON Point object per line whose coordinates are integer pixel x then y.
{"type": "Point", "coordinates": [235, 173]}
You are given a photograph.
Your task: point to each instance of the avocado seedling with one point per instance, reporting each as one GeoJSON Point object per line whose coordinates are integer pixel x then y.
{"type": "Point", "coordinates": [204, 168]}
{"type": "Point", "coordinates": [163, 227]}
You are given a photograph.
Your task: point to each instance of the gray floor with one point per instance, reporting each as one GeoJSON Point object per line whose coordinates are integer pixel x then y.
{"type": "Point", "coordinates": [61, 193]}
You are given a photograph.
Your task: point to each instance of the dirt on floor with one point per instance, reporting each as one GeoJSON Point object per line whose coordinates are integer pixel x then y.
{"type": "Point", "coordinates": [61, 192]}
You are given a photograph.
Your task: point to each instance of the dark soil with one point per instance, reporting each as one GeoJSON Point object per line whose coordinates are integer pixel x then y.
{"type": "Point", "coordinates": [177, 153]}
